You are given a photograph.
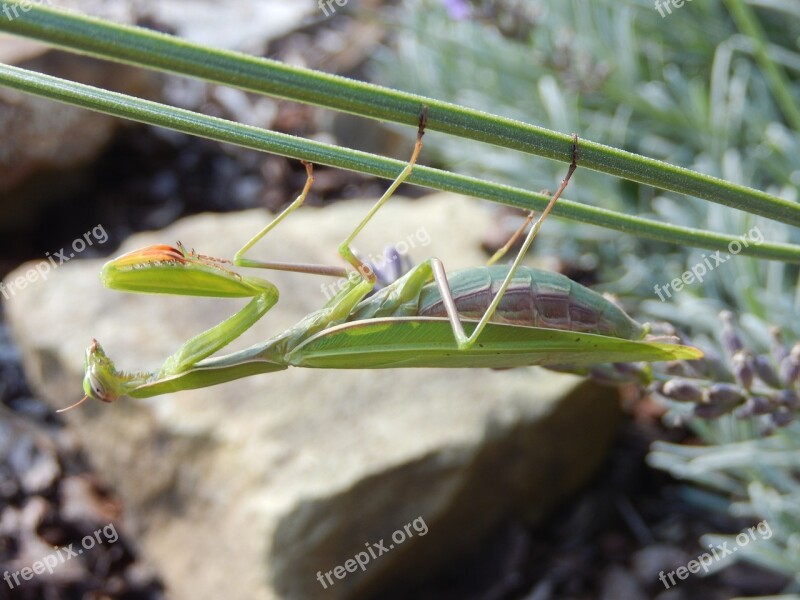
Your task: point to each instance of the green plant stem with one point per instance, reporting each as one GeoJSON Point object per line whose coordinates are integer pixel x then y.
{"type": "Point", "coordinates": [186, 121]}
{"type": "Point", "coordinates": [748, 24]}
{"type": "Point", "coordinates": [154, 50]}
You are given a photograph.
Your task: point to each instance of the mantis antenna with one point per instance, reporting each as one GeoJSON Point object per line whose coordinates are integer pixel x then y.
{"type": "Point", "coordinates": [76, 405]}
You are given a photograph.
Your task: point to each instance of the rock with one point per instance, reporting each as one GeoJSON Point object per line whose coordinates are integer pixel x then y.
{"type": "Point", "coordinates": [255, 486]}
{"type": "Point", "coordinates": [27, 454]}
{"type": "Point", "coordinates": [48, 502]}
{"type": "Point", "coordinates": [80, 502]}
{"type": "Point", "coordinates": [248, 25]}
{"type": "Point", "coordinates": [650, 562]}
{"type": "Point", "coordinates": [619, 583]}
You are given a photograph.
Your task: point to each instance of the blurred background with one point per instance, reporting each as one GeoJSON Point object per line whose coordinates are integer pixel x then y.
{"type": "Point", "coordinates": [532, 486]}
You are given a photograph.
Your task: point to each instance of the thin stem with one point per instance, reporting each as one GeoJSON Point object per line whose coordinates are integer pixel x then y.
{"type": "Point", "coordinates": [162, 52]}
{"type": "Point", "coordinates": [186, 121]}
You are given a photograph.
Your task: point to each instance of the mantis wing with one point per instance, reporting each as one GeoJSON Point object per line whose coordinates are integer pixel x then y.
{"type": "Point", "coordinates": [428, 342]}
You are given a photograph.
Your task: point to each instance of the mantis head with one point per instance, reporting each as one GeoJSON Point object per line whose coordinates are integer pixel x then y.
{"type": "Point", "coordinates": [101, 380]}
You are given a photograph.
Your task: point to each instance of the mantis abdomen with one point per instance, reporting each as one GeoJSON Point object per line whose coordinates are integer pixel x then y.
{"type": "Point", "coordinates": [535, 298]}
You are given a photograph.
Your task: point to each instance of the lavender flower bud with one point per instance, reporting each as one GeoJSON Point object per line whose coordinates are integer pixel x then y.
{"type": "Point", "coordinates": [782, 416]}
{"type": "Point", "coordinates": [730, 338]}
{"type": "Point", "coordinates": [723, 394]}
{"type": "Point", "coordinates": [766, 372]}
{"type": "Point", "coordinates": [755, 405]}
{"type": "Point", "coordinates": [711, 411]}
{"type": "Point", "coordinates": [683, 390]}
{"type": "Point", "coordinates": [743, 369]}
{"type": "Point", "coordinates": [779, 350]}
{"type": "Point", "coordinates": [790, 369]}
{"type": "Point", "coordinates": [788, 398]}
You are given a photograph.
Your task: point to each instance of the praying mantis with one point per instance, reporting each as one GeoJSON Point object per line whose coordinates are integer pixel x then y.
{"type": "Point", "coordinates": [496, 316]}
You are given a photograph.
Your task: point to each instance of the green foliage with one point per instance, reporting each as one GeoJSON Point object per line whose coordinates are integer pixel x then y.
{"type": "Point", "coordinates": [694, 88]}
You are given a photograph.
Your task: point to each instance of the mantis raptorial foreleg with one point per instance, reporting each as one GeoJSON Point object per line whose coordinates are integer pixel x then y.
{"type": "Point", "coordinates": [216, 275]}
{"type": "Point", "coordinates": [164, 269]}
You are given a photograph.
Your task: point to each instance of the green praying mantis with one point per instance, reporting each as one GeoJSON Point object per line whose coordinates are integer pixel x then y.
{"type": "Point", "coordinates": [496, 316]}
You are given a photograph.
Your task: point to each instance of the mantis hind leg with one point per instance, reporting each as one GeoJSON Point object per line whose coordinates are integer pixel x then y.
{"type": "Point", "coordinates": [463, 340]}
{"type": "Point", "coordinates": [512, 240]}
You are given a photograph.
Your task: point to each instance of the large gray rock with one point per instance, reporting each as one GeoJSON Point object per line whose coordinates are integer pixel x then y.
{"type": "Point", "coordinates": [241, 25]}
{"type": "Point", "coordinates": [248, 489]}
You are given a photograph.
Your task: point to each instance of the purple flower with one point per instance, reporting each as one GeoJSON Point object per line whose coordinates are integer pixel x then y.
{"type": "Point", "coordinates": [457, 9]}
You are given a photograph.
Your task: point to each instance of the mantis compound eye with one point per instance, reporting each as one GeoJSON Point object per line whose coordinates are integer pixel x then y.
{"type": "Point", "coordinates": [94, 388]}
{"type": "Point", "coordinates": [98, 391]}
{"type": "Point", "coordinates": [101, 380]}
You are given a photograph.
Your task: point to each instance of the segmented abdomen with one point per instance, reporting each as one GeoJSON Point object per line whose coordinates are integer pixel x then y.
{"type": "Point", "coordinates": [535, 298]}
